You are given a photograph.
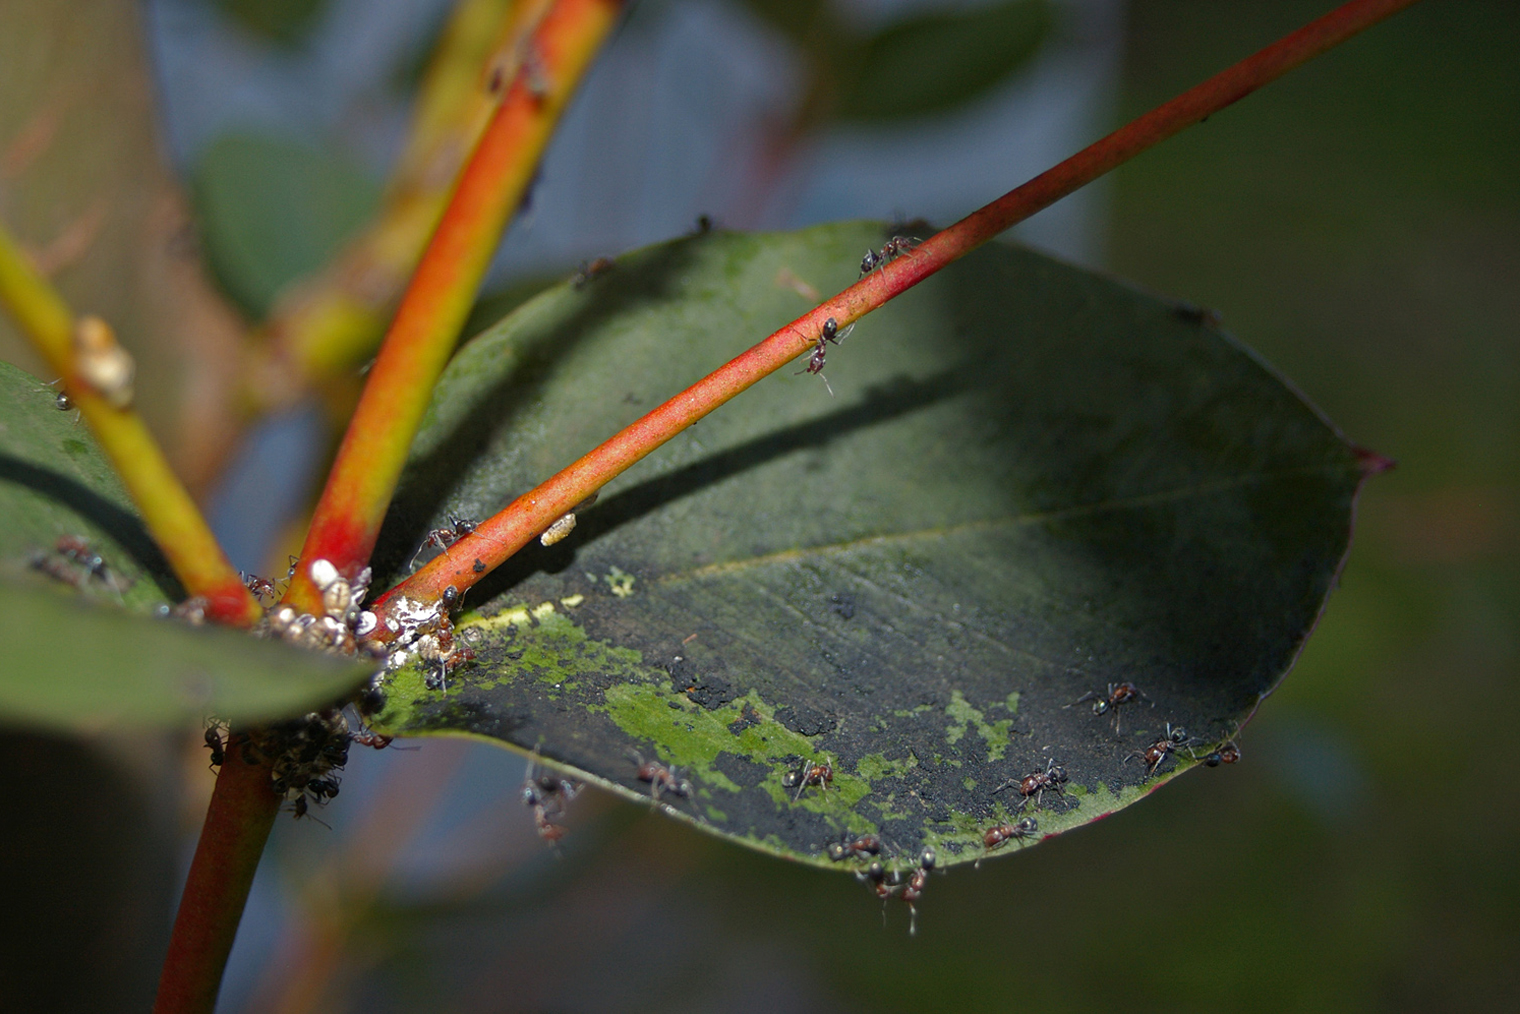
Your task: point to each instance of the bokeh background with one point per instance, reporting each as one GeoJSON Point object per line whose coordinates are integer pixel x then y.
{"type": "Point", "coordinates": [1357, 223]}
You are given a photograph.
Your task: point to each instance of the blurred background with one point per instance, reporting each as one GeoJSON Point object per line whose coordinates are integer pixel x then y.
{"type": "Point", "coordinates": [1357, 223]}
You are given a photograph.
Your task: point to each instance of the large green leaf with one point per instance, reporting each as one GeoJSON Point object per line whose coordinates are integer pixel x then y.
{"type": "Point", "coordinates": [72, 663]}
{"type": "Point", "coordinates": [1030, 481]}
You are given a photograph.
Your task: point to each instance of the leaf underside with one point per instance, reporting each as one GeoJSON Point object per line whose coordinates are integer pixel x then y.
{"type": "Point", "coordinates": [1030, 481]}
{"type": "Point", "coordinates": [81, 655]}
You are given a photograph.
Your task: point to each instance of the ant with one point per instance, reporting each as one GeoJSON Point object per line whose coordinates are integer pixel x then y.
{"type": "Point", "coordinates": [884, 885]}
{"type": "Point", "coordinates": [895, 247]}
{"type": "Point", "coordinates": [215, 745]}
{"type": "Point", "coordinates": [548, 794]}
{"type": "Point", "coordinates": [911, 893]}
{"type": "Point", "coordinates": [1157, 752]}
{"type": "Point", "coordinates": [1228, 753]}
{"type": "Point", "coordinates": [370, 738]}
{"type": "Point", "coordinates": [303, 809]}
{"type": "Point", "coordinates": [997, 836]}
{"type": "Point", "coordinates": [443, 538]}
{"type": "Point", "coordinates": [849, 848]}
{"type": "Point", "coordinates": [260, 586]}
{"type": "Point", "coordinates": [821, 775]}
{"type": "Point", "coordinates": [1117, 695]}
{"type": "Point", "coordinates": [1035, 783]}
{"type": "Point", "coordinates": [62, 402]}
{"type": "Point", "coordinates": [661, 780]}
{"type": "Point", "coordinates": [591, 270]}
{"type": "Point", "coordinates": [75, 548]}
{"type": "Point", "coordinates": [829, 333]}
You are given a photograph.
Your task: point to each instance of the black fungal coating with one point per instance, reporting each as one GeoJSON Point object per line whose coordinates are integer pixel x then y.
{"type": "Point", "coordinates": [748, 719]}
{"type": "Point", "coordinates": [805, 721]}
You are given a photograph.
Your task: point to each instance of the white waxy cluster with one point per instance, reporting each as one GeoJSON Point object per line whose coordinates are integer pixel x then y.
{"type": "Point", "coordinates": [342, 623]}
{"type": "Point", "coordinates": [101, 363]}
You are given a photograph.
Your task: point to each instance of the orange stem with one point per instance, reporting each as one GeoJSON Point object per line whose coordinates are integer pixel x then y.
{"type": "Point", "coordinates": [502, 535]}
{"type": "Point", "coordinates": [421, 338]}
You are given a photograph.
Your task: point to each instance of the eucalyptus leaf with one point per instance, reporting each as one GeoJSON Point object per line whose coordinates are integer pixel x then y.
{"type": "Point", "coordinates": [1023, 482]}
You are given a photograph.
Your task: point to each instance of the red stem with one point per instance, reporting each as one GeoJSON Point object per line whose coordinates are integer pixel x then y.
{"type": "Point", "coordinates": [238, 821]}
{"type": "Point", "coordinates": [422, 335]}
{"type": "Point", "coordinates": [496, 539]}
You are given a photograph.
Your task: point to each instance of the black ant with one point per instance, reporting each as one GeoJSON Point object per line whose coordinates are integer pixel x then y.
{"type": "Point", "coordinates": [850, 848]}
{"type": "Point", "coordinates": [895, 247]}
{"type": "Point", "coordinates": [443, 538]}
{"type": "Point", "coordinates": [829, 333]}
{"type": "Point", "coordinates": [997, 836]}
{"type": "Point", "coordinates": [1035, 783]}
{"type": "Point", "coordinates": [1227, 753]}
{"type": "Point", "coordinates": [1157, 752]}
{"type": "Point", "coordinates": [1117, 695]}
{"type": "Point", "coordinates": [303, 809]}
{"type": "Point", "coordinates": [215, 745]}
{"type": "Point", "coordinates": [661, 780]}
{"type": "Point", "coordinates": [809, 773]}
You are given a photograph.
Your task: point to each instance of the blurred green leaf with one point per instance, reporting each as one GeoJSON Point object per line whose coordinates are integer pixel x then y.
{"type": "Point", "coordinates": [273, 211]}
{"type": "Point", "coordinates": [286, 22]}
{"type": "Point", "coordinates": [1030, 482]}
{"type": "Point", "coordinates": [940, 61]}
{"type": "Point", "coordinates": [73, 666]}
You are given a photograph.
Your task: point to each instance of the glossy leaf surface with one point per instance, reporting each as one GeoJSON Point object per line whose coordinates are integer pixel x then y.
{"type": "Point", "coordinates": [1029, 482]}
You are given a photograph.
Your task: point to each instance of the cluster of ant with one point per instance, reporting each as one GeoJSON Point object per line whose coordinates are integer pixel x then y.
{"type": "Point", "coordinates": [830, 333]}
{"type": "Point", "coordinates": [1118, 695]}
{"type": "Point", "coordinates": [548, 794]}
{"type": "Point", "coordinates": [886, 883]}
{"type": "Point", "coordinates": [304, 754]}
{"type": "Point", "coordinates": [75, 563]}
